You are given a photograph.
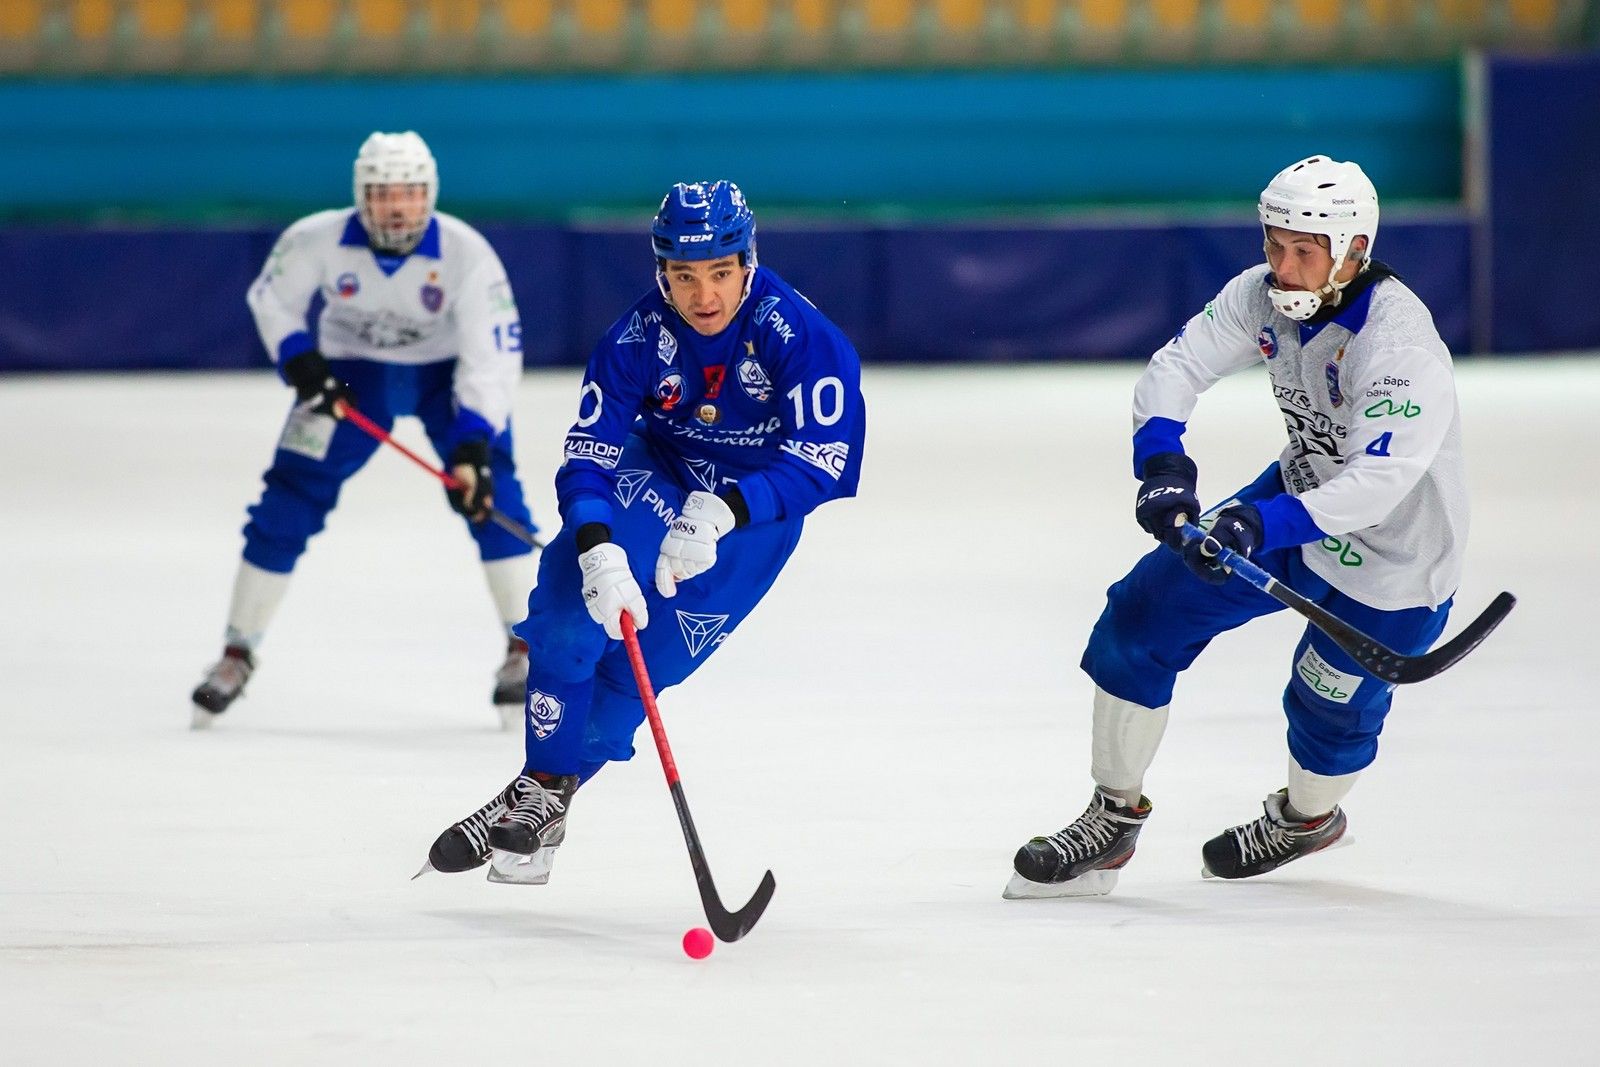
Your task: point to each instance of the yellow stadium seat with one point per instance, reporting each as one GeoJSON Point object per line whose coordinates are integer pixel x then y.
{"type": "Point", "coordinates": [527, 18]}
{"type": "Point", "coordinates": [307, 18]}
{"type": "Point", "coordinates": [745, 16]}
{"type": "Point", "coordinates": [21, 19]}
{"type": "Point", "coordinates": [1318, 14]}
{"type": "Point", "coordinates": [458, 17]}
{"type": "Point", "coordinates": [1105, 16]}
{"type": "Point", "coordinates": [161, 20]}
{"type": "Point", "coordinates": [380, 18]}
{"type": "Point", "coordinates": [601, 17]}
{"type": "Point", "coordinates": [960, 16]}
{"type": "Point", "coordinates": [887, 16]}
{"type": "Point", "coordinates": [1246, 14]}
{"type": "Point", "coordinates": [813, 16]}
{"type": "Point", "coordinates": [1036, 16]}
{"type": "Point", "coordinates": [93, 19]}
{"type": "Point", "coordinates": [1534, 14]}
{"type": "Point", "coordinates": [1175, 14]}
{"type": "Point", "coordinates": [234, 20]}
{"type": "Point", "coordinates": [674, 18]}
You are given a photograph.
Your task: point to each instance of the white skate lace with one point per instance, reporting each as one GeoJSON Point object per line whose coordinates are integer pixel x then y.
{"type": "Point", "coordinates": [476, 825]}
{"type": "Point", "coordinates": [1092, 832]}
{"type": "Point", "coordinates": [1265, 839]}
{"type": "Point", "coordinates": [537, 807]}
{"type": "Point", "coordinates": [228, 675]}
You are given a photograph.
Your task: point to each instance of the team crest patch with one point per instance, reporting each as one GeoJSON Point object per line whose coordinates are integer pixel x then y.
{"type": "Point", "coordinates": [669, 390]}
{"type": "Point", "coordinates": [753, 379]}
{"type": "Point", "coordinates": [1267, 341]}
{"type": "Point", "coordinates": [666, 346]}
{"type": "Point", "coordinates": [1335, 394]}
{"type": "Point", "coordinates": [348, 285]}
{"type": "Point", "coordinates": [432, 297]}
{"type": "Point", "coordinates": [544, 713]}
{"type": "Point", "coordinates": [700, 631]}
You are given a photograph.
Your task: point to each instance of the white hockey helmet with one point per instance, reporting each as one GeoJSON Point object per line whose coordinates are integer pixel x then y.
{"type": "Point", "coordinates": [395, 159]}
{"type": "Point", "coordinates": [1319, 195]}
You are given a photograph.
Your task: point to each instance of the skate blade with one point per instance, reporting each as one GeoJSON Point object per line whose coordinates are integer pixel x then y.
{"type": "Point", "coordinates": [427, 868]}
{"type": "Point", "coordinates": [201, 719]}
{"type": "Point", "coordinates": [511, 868]}
{"type": "Point", "coordinates": [1342, 841]}
{"type": "Point", "coordinates": [1092, 884]}
{"type": "Point", "coordinates": [511, 717]}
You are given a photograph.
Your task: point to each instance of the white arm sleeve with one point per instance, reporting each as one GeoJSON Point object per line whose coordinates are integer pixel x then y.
{"type": "Point", "coordinates": [281, 294]}
{"type": "Point", "coordinates": [490, 337]}
{"type": "Point", "coordinates": [1404, 414]}
{"type": "Point", "coordinates": [1215, 343]}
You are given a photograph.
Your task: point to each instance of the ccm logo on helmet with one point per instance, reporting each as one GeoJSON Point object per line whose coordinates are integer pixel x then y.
{"type": "Point", "coordinates": [691, 238]}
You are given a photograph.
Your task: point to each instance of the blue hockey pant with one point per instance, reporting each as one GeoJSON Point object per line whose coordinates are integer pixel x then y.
{"type": "Point", "coordinates": [302, 489]}
{"type": "Point", "coordinates": [1160, 616]}
{"type": "Point", "coordinates": [583, 706]}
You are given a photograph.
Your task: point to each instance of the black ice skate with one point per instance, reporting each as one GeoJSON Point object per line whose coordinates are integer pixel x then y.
{"type": "Point", "coordinates": [511, 684]}
{"type": "Point", "coordinates": [524, 840]}
{"type": "Point", "coordinates": [1083, 859]}
{"type": "Point", "coordinates": [1271, 841]}
{"type": "Point", "coordinates": [223, 684]}
{"type": "Point", "coordinates": [464, 846]}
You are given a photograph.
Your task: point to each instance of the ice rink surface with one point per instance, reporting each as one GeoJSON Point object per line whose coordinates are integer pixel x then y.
{"type": "Point", "coordinates": [902, 712]}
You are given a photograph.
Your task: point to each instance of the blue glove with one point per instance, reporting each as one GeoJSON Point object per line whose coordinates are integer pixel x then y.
{"type": "Point", "coordinates": [1237, 527]}
{"type": "Point", "coordinates": [1167, 497]}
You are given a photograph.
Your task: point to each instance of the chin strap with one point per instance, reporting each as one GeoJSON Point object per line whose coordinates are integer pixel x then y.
{"type": "Point", "coordinates": [1301, 305]}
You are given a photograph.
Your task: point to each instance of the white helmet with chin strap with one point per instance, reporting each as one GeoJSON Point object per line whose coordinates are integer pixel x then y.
{"type": "Point", "coordinates": [1336, 200]}
{"type": "Point", "coordinates": [395, 159]}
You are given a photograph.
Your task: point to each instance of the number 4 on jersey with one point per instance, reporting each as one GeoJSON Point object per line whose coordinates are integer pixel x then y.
{"type": "Point", "coordinates": [1380, 447]}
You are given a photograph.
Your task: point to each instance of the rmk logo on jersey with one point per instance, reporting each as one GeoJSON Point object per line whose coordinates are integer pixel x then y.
{"type": "Point", "coordinates": [701, 631]}
{"type": "Point", "coordinates": [544, 713]}
{"type": "Point", "coordinates": [768, 310]}
{"type": "Point", "coordinates": [1267, 341]}
{"type": "Point", "coordinates": [629, 482]}
{"type": "Point", "coordinates": [634, 333]}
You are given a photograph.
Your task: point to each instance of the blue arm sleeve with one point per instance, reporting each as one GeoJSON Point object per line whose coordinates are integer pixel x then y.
{"type": "Point", "coordinates": [607, 406]}
{"type": "Point", "coordinates": [1157, 435]}
{"type": "Point", "coordinates": [1285, 521]}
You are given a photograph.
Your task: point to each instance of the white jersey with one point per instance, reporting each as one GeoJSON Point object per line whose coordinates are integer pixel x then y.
{"type": "Point", "coordinates": [1374, 448]}
{"type": "Point", "coordinates": [448, 299]}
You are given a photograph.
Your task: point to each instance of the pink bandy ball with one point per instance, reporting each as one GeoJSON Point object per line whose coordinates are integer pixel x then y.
{"type": "Point", "coordinates": [697, 943]}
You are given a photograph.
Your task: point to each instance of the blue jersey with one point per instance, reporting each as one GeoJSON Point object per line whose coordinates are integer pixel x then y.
{"type": "Point", "coordinates": [771, 404]}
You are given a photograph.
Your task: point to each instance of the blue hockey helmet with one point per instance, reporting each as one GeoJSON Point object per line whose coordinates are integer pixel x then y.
{"type": "Point", "coordinates": [704, 220]}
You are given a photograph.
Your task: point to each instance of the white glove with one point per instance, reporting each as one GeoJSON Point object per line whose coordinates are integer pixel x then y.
{"type": "Point", "coordinates": [609, 589]}
{"type": "Point", "coordinates": [690, 547]}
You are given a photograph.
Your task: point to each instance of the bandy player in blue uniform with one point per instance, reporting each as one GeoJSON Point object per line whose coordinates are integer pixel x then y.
{"type": "Point", "coordinates": [715, 415]}
{"type": "Point", "coordinates": [1364, 512]}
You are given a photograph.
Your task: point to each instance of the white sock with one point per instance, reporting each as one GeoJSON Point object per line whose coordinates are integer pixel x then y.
{"type": "Point", "coordinates": [1312, 795]}
{"type": "Point", "coordinates": [256, 596]}
{"type": "Point", "coordinates": [510, 580]}
{"type": "Point", "coordinates": [1126, 736]}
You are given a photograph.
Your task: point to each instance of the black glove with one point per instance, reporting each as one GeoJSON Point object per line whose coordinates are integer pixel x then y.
{"type": "Point", "coordinates": [1237, 527]}
{"type": "Point", "coordinates": [313, 380]}
{"type": "Point", "coordinates": [469, 465]}
{"type": "Point", "coordinates": [1167, 497]}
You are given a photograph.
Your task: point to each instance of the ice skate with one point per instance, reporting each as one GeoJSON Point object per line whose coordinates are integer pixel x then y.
{"type": "Point", "coordinates": [464, 846]}
{"type": "Point", "coordinates": [525, 838]}
{"type": "Point", "coordinates": [1083, 859]}
{"type": "Point", "coordinates": [223, 684]}
{"type": "Point", "coordinates": [511, 685]}
{"type": "Point", "coordinates": [1271, 841]}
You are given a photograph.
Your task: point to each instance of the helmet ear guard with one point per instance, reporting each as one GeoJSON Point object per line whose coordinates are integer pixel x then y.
{"type": "Point", "coordinates": [394, 159]}
{"type": "Point", "coordinates": [1321, 196]}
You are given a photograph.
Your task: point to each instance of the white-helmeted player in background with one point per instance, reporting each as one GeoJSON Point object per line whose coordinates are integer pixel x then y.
{"type": "Point", "coordinates": [417, 318]}
{"type": "Point", "coordinates": [1364, 512]}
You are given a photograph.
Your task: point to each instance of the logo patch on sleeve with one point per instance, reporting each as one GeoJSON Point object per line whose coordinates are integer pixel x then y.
{"type": "Point", "coordinates": [1326, 680]}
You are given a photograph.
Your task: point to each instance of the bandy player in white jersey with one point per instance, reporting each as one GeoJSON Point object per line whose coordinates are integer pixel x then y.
{"type": "Point", "coordinates": [1365, 513]}
{"type": "Point", "coordinates": [417, 318]}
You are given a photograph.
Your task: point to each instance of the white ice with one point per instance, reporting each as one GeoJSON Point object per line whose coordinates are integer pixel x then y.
{"type": "Point", "coordinates": [902, 712]}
